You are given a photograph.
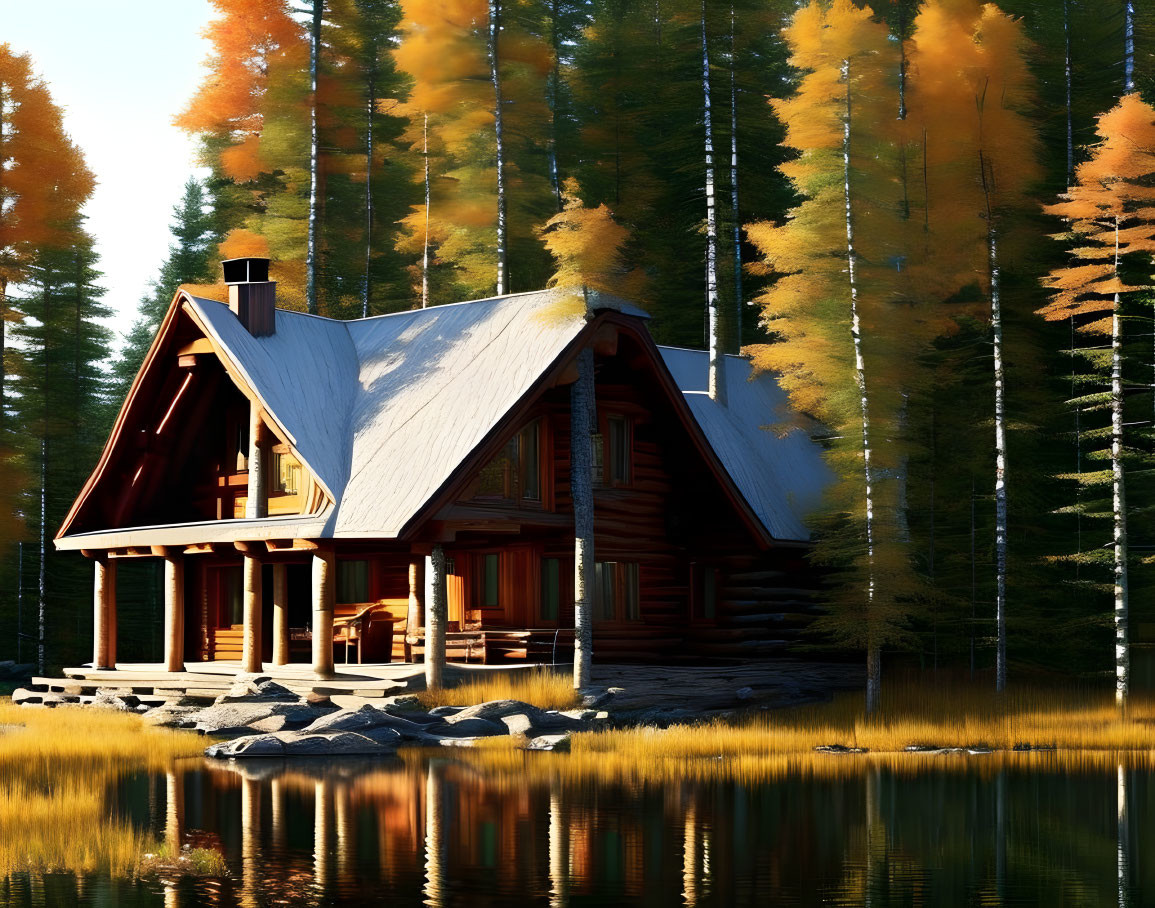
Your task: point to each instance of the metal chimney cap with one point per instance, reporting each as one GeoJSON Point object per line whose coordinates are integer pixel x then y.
{"type": "Point", "coordinates": [246, 270]}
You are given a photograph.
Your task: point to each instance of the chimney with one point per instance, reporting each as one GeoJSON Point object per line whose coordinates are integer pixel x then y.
{"type": "Point", "coordinates": [252, 296]}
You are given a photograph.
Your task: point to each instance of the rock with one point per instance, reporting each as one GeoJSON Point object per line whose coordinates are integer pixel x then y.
{"type": "Point", "coordinates": [16, 671]}
{"type": "Point", "coordinates": [581, 715]}
{"type": "Point", "coordinates": [22, 696]}
{"type": "Point", "coordinates": [418, 718]}
{"type": "Point", "coordinates": [388, 737]}
{"type": "Point", "coordinates": [299, 744]}
{"type": "Point", "coordinates": [839, 749]}
{"type": "Point", "coordinates": [444, 711]}
{"type": "Point", "coordinates": [473, 727]}
{"type": "Point", "coordinates": [596, 697]}
{"type": "Point", "coordinates": [556, 743]}
{"type": "Point", "coordinates": [495, 710]}
{"type": "Point", "coordinates": [172, 715]}
{"type": "Point", "coordinates": [259, 689]}
{"type": "Point", "coordinates": [404, 701]}
{"type": "Point", "coordinates": [243, 714]}
{"type": "Point", "coordinates": [519, 724]}
{"type": "Point", "coordinates": [537, 722]}
{"type": "Point", "coordinates": [270, 724]}
{"type": "Point", "coordinates": [114, 698]}
{"type": "Point", "coordinates": [744, 693]}
{"type": "Point", "coordinates": [350, 719]}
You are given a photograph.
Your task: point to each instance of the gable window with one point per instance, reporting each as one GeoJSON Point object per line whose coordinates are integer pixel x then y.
{"type": "Point", "coordinates": [352, 581]}
{"type": "Point", "coordinates": [619, 450]}
{"type": "Point", "coordinates": [514, 475]}
{"type": "Point", "coordinates": [616, 592]}
{"type": "Point", "coordinates": [550, 588]}
{"type": "Point", "coordinates": [286, 474]}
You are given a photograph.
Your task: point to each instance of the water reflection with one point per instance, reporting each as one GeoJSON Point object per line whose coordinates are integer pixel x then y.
{"type": "Point", "coordinates": [445, 831]}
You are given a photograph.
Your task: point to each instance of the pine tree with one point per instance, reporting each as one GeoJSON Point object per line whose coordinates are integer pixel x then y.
{"type": "Point", "coordinates": [189, 261]}
{"type": "Point", "coordinates": [1113, 222]}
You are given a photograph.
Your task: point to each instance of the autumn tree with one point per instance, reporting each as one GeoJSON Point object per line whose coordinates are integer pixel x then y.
{"type": "Point", "coordinates": [1112, 222]}
{"type": "Point", "coordinates": [587, 245]}
{"type": "Point", "coordinates": [839, 336]}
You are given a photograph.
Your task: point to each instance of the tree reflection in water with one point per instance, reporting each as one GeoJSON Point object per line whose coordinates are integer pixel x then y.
{"type": "Point", "coordinates": [526, 830]}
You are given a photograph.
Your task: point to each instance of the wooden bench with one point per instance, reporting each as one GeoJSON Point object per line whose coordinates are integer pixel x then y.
{"type": "Point", "coordinates": [368, 626]}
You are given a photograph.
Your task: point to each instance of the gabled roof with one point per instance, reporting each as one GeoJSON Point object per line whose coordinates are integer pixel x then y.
{"type": "Point", "coordinates": [383, 411]}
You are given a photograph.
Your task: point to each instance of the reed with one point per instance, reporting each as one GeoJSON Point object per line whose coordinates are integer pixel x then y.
{"type": "Point", "coordinates": [56, 769]}
{"type": "Point", "coordinates": [539, 687]}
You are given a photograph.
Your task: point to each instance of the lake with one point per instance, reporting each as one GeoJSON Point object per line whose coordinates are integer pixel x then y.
{"type": "Point", "coordinates": [470, 829]}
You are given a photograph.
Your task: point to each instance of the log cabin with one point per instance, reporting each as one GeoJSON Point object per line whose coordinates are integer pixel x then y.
{"type": "Point", "coordinates": [298, 475]}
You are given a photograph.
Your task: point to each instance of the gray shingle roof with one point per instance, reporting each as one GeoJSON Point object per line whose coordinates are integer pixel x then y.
{"type": "Point", "coordinates": [384, 410]}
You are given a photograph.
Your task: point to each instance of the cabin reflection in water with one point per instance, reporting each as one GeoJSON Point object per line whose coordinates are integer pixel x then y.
{"type": "Point", "coordinates": [441, 832]}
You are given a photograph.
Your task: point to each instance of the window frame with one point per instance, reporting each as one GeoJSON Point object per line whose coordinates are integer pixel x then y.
{"type": "Point", "coordinates": [622, 579]}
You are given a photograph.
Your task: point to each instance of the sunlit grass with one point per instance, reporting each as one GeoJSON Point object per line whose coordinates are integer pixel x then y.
{"type": "Point", "coordinates": [1060, 726]}
{"type": "Point", "coordinates": [539, 687]}
{"type": "Point", "coordinates": [56, 767]}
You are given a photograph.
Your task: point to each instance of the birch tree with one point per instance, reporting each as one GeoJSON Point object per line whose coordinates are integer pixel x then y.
{"type": "Point", "coordinates": [1111, 221]}
{"type": "Point", "coordinates": [830, 307]}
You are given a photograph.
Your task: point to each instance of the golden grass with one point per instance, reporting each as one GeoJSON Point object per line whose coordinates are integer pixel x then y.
{"type": "Point", "coordinates": [56, 767]}
{"type": "Point", "coordinates": [1064, 725]}
{"type": "Point", "coordinates": [539, 687]}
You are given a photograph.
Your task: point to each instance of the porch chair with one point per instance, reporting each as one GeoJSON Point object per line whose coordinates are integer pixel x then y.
{"type": "Point", "coordinates": [369, 627]}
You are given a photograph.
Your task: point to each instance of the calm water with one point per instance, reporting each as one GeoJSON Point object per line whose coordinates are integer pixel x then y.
{"type": "Point", "coordinates": [940, 831]}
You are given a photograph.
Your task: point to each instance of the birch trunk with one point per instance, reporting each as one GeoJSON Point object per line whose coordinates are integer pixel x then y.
{"type": "Point", "coordinates": [3, 338]}
{"type": "Point", "coordinates": [42, 603]}
{"type": "Point", "coordinates": [1119, 500]}
{"type": "Point", "coordinates": [311, 251]}
{"type": "Point", "coordinates": [494, 33]}
{"type": "Point", "coordinates": [1122, 840]}
{"type": "Point", "coordinates": [554, 84]}
{"type": "Point", "coordinates": [425, 246]}
{"type": "Point", "coordinates": [717, 384]}
{"type": "Point", "coordinates": [873, 655]}
{"type": "Point", "coordinates": [436, 609]}
{"type": "Point", "coordinates": [1000, 465]}
{"type": "Point", "coordinates": [1067, 80]}
{"type": "Point", "coordinates": [371, 106]}
{"type": "Point", "coordinates": [581, 487]}
{"type": "Point", "coordinates": [1129, 47]}
{"type": "Point", "coordinates": [738, 301]}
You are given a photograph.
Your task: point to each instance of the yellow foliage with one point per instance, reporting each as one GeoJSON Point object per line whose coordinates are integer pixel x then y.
{"type": "Point", "coordinates": [539, 687]}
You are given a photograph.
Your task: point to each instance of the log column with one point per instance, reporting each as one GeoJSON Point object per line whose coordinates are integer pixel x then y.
{"type": "Point", "coordinates": [324, 595]}
{"type": "Point", "coordinates": [435, 613]}
{"type": "Point", "coordinates": [280, 614]}
{"type": "Point", "coordinates": [173, 611]}
{"type": "Point", "coordinates": [257, 502]}
{"type": "Point", "coordinates": [104, 613]}
{"type": "Point", "coordinates": [251, 660]}
{"type": "Point", "coordinates": [416, 604]}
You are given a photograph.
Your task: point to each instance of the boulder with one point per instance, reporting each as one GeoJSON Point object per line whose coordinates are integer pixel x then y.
{"type": "Point", "coordinates": [473, 727]}
{"type": "Point", "coordinates": [420, 718]}
{"type": "Point", "coordinates": [22, 696]}
{"type": "Point", "coordinates": [403, 702]}
{"type": "Point", "coordinates": [443, 711]}
{"type": "Point", "coordinates": [494, 711]}
{"type": "Point", "coordinates": [113, 698]}
{"type": "Point", "coordinates": [300, 744]}
{"type": "Point", "coordinates": [365, 716]}
{"type": "Point", "coordinates": [172, 715]}
{"type": "Point", "coordinates": [596, 697]}
{"type": "Point", "coordinates": [259, 689]}
{"type": "Point", "coordinates": [270, 724]}
{"type": "Point", "coordinates": [744, 693]}
{"type": "Point", "coordinates": [556, 743]}
{"type": "Point", "coordinates": [242, 715]}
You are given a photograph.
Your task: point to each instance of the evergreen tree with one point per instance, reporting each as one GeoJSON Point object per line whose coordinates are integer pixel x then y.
{"type": "Point", "coordinates": [189, 261]}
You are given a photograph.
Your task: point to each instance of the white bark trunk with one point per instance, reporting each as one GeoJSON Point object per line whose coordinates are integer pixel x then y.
{"type": "Point", "coordinates": [436, 609]}
{"type": "Point", "coordinates": [1000, 464]}
{"type": "Point", "coordinates": [257, 495]}
{"type": "Point", "coordinates": [42, 603]}
{"type": "Point", "coordinates": [738, 300]}
{"type": "Point", "coordinates": [370, 111]}
{"type": "Point", "coordinates": [314, 174]}
{"type": "Point", "coordinates": [717, 383]}
{"type": "Point", "coordinates": [494, 66]}
{"type": "Point", "coordinates": [873, 656]}
{"type": "Point", "coordinates": [1119, 500]}
{"type": "Point", "coordinates": [1067, 81]}
{"type": "Point", "coordinates": [1122, 840]}
{"type": "Point", "coordinates": [425, 246]}
{"type": "Point", "coordinates": [1129, 47]}
{"type": "Point", "coordinates": [582, 421]}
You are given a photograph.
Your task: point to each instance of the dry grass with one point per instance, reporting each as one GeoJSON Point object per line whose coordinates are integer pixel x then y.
{"type": "Point", "coordinates": [539, 687]}
{"type": "Point", "coordinates": [56, 767]}
{"type": "Point", "coordinates": [1065, 726]}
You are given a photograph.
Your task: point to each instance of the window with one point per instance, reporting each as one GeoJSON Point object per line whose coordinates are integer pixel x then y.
{"type": "Point", "coordinates": [515, 473]}
{"type": "Point", "coordinates": [619, 451]}
{"type": "Point", "coordinates": [597, 465]}
{"type": "Point", "coordinates": [489, 581]}
{"type": "Point", "coordinates": [550, 588]}
{"type": "Point", "coordinates": [286, 474]}
{"type": "Point", "coordinates": [704, 592]}
{"type": "Point", "coordinates": [233, 581]}
{"type": "Point", "coordinates": [616, 593]}
{"type": "Point", "coordinates": [352, 581]}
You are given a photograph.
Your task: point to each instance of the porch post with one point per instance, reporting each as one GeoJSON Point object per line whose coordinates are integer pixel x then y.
{"type": "Point", "coordinates": [324, 594]}
{"type": "Point", "coordinates": [257, 502]}
{"type": "Point", "coordinates": [416, 594]}
{"type": "Point", "coordinates": [251, 660]}
{"type": "Point", "coordinates": [104, 612]}
{"type": "Point", "coordinates": [435, 612]}
{"type": "Point", "coordinates": [280, 614]}
{"type": "Point", "coordinates": [173, 610]}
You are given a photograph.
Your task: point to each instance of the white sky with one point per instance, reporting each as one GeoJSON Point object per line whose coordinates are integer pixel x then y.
{"type": "Point", "coordinates": [120, 69]}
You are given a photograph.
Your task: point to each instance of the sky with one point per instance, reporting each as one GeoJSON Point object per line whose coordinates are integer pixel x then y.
{"type": "Point", "coordinates": [120, 69]}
